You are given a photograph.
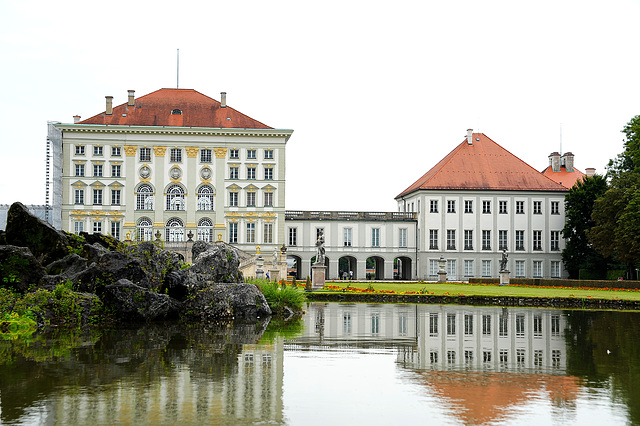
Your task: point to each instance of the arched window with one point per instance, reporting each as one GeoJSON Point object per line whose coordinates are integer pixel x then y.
{"type": "Point", "coordinates": [175, 198]}
{"type": "Point", "coordinates": [145, 229]}
{"type": "Point", "coordinates": [175, 230]}
{"type": "Point", "coordinates": [144, 198]}
{"type": "Point", "coordinates": [205, 230]}
{"type": "Point", "coordinates": [205, 198]}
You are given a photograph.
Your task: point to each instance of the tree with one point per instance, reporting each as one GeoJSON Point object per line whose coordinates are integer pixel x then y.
{"type": "Point", "coordinates": [616, 214]}
{"type": "Point", "coordinates": [579, 253]}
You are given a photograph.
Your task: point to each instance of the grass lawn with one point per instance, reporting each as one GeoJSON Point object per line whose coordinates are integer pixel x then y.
{"type": "Point", "coordinates": [455, 289]}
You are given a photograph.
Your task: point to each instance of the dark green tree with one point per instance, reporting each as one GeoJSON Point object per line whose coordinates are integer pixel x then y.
{"type": "Point", "coordinates": [616, 215]}
{"type": "Point", "coordinates": [579, 253]}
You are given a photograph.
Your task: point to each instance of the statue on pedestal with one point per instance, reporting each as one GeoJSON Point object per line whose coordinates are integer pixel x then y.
{"type": "Point", "coordinates": [320, 248]}
{"type": "Point", "coordinates": [503, 261]}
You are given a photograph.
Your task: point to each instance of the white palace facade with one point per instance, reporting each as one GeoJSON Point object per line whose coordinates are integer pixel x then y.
{"type": "Point", "coordinates": [178, 165]}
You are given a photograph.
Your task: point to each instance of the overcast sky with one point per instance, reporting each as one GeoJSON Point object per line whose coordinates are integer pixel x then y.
{"type": "Point", "coordinates": [376, 92]}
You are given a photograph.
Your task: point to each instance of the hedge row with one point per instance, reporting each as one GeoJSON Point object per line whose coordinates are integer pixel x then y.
{"type": "Point", "coordinates": [561, 283]}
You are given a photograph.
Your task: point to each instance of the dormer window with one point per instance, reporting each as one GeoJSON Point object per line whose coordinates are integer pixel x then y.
{"type": "Point", "coordinates": [176, 112]}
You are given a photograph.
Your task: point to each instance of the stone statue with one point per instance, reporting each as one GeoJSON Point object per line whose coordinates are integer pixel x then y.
{"type": "Point", "coordinates": [320, 248]}
{"type": "Point", "coordinates": [274, 259]}
{"type": "Point", "coordinates": [503, 261]}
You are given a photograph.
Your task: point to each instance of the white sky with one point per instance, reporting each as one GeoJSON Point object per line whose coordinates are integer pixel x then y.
{"type": "Point", "coordinates": [376, 92]}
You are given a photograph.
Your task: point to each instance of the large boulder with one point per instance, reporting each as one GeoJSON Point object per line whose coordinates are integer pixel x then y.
{"type": "Point", "coordinates": [26, 230]}
{"type": "Point", "coordinates": [219, 261]}
{"type": "Point", "coordinates": [19, 269]}
{"type": "Point", "coordinates": [112, 267]}
{"type": "Point", "coordinates": [68, 266]}
{"type": "Point", "coordinates": [130, 302]}
{"type": "Point", "coordinates": [157, 263]}
{"type": "Point", "coordinates": [226, 302]}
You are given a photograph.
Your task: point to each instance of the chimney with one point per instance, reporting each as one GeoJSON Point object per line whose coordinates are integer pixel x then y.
{"type": "Point", "coordinates": [590, 171]}
{"type": "Point", "coordinates": [567, 159]}
{"type": "Point", "coordinates": [470, 136]}
{"type": "Point", "coordinates": [131, 101]}
{"type": "Point", "coordinates": [76, 119]}
{"type": "Point", "coordinates": [109, 104]}
{"type": "Point", "coordinates": [554, 161]}
{"type": "Point", "coordinates": [223, 99]}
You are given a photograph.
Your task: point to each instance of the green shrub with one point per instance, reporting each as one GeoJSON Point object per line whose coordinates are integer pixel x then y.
{"type": "Point", "coordinates": [278, 298]}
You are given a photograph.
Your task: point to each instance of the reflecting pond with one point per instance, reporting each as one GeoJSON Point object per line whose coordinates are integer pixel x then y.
{"type": "Point", "coordinates": [339, 364]}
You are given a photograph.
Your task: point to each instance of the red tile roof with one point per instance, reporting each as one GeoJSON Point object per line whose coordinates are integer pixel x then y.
{"type": "Point", "coordinates": [155, 109]}
{"type": "Point", "coordinates": [563, 177]}
{"type": "Point", "coordinates": [484, 165]}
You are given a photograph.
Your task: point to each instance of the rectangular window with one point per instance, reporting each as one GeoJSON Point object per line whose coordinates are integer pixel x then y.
{"type": "Point", "coordinates": [451, 269]}
{"type": "Point", "coordinates": [115, 197]}
{"type": "Point", "coordinates": [486, 325]}
{"type": "Point", "coordinates": [451, 239]}
{"type": "Point", "coordinates": [97, 227]}
{"type": "Point", "coordinates": [267, 229]}
{"type": "Point", "coordinates": [115, 170]}
{"type": "Point", "coordinates": [116, 152]}
{"type": "Point", "coordinates": [375, 323]}
{"type": "Point", "coordinates": [468, 239]}
{"type": "Point", "coordinates": [268, 173]}
{"type": "Point", "coordinates": [519, 325]}
{"type": "Point", "coordinates": [486, 268]}
{"type": "Point", "coordinates": [79, 151]}
{"type": "Point", "coordinates": [519, 240]}
{"type": "Point", "coordinates": [486, 356]}
{"type": "Point", "coordinates": [205, 155]}
{"type": "Point", "coordinates": [433, 239]}
{"type": "Point", "coordinates": [433, 267]}
{"type": "Point", "coordinates": [234, 153]}
{"type": "Point", "coordinates": [403, 324]}
{"type": "Point", "coordinates": [537, 269]}
{"type": "Point", "coordinates": [433, 324]}
{"type": "Point", "coordinates": [402, 237]}
{"type": "Point", "coordinates": [268, 199]}
{"type": "Point", "coordinates": [504, 357]}
{"type": "Point", "coordinates": [145, 154]}
{"type": "Point", "coordinates": [502, 240]}
{"type": "Point", "coordinates": [468, 268]}
{"type": "Point", "coordinates": [251, 154]}
{"type": "Point", "coordinates": [78, 196]}
{"type": "Point", "coordinates": [97, 197]}
{"type": "Point", "coordinates": [486, 207]}
{"type": "Point", "coordinates": [433, 206]}
{"type": "Point", "coordinates": [520, 357]}
{"type": "Point", "coordinates": [555, 240]}
{"type": "Point", "coordinates": [451, 357]}
{"type": "Point", "coordinates": [555, 207]}
{"type": "Point", "coordinates": [97, 170]}
{"type": "Point", "coordinates": [233, 199]}
{"type": "Point", "coordinates": [519, 207]}
{"type": "Point", "coordinates": [293, 237]}
{"type": "Point", "coordinates": [233, 232]}
{"type": "Point", "coordinates": [537, 207]}
{"type": "Point", "coordinates": [555, 325]}
{"type": "Point", "coordinates": [251, 232]}
{"type": "Point", "coordinates": [537, 326]}
{"type": "Point", "coordinates": [555, 269]}
{"type": "Point", "coordinates": [268, 154]}
{"type": "Point", "coordinates": [503, 325]}
{"type": "Point", "coordinates": [537, 240]}
{"type": "Point", "coordinates": [347, 234]}
{"type": "Point", "coordinates": [519, 268]}
{"type": "Point", "coordinates": [468, 206]}
{"type": "Point", "coordinates": [502, 207]}
{"type": "Point", "coordinates": [78, 227]}
{"type": "Point", "coordinates": [79, 170]}
{"type": "Point", "coordinates": [486, 240]}
{"type": "Point", "coordinates": [233, 172]}
{"type": "Point", "coordinates": [537, 358]}
{"type": "Point", "coordinates": [251, 199]}
{"type": "Point", "coordinates": [433, 357]}
{"type": "Point", "coordinates": [115, 230]}
{"type": "Point", "coordinates": [555, 358]}
{"type": "Point", "coordinates": [176, 155]}
{"type": "Point", "coordinates": [468, 324]}
{"type": "Point", "coordinates": [451, 324]}
{"type": "Point", "coordinates": [251, 173]}
{"type": "Point", "coordinates": [97, 150]}
{"type": "Point", "coordinates": [375, 237]}
{"type": "Point", "coordinates": [468, 356]}
{"type": "Point", "coordinates": [451, 206]}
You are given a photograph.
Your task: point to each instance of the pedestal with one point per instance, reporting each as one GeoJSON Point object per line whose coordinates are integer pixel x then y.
{"type": "Point", "coordinates": [504, 277]}
{"type": "Point", "coordinates": [274, 274]}
{"type": "Point", "coordinates": [442, 276]}
{"type": "Point", "coordinates": [319, 273]}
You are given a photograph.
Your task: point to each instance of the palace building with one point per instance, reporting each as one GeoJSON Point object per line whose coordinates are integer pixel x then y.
{"type": "Point", "coordinates": [173, 164]}
{"type": "Point", "coordinates": [177, 165]}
